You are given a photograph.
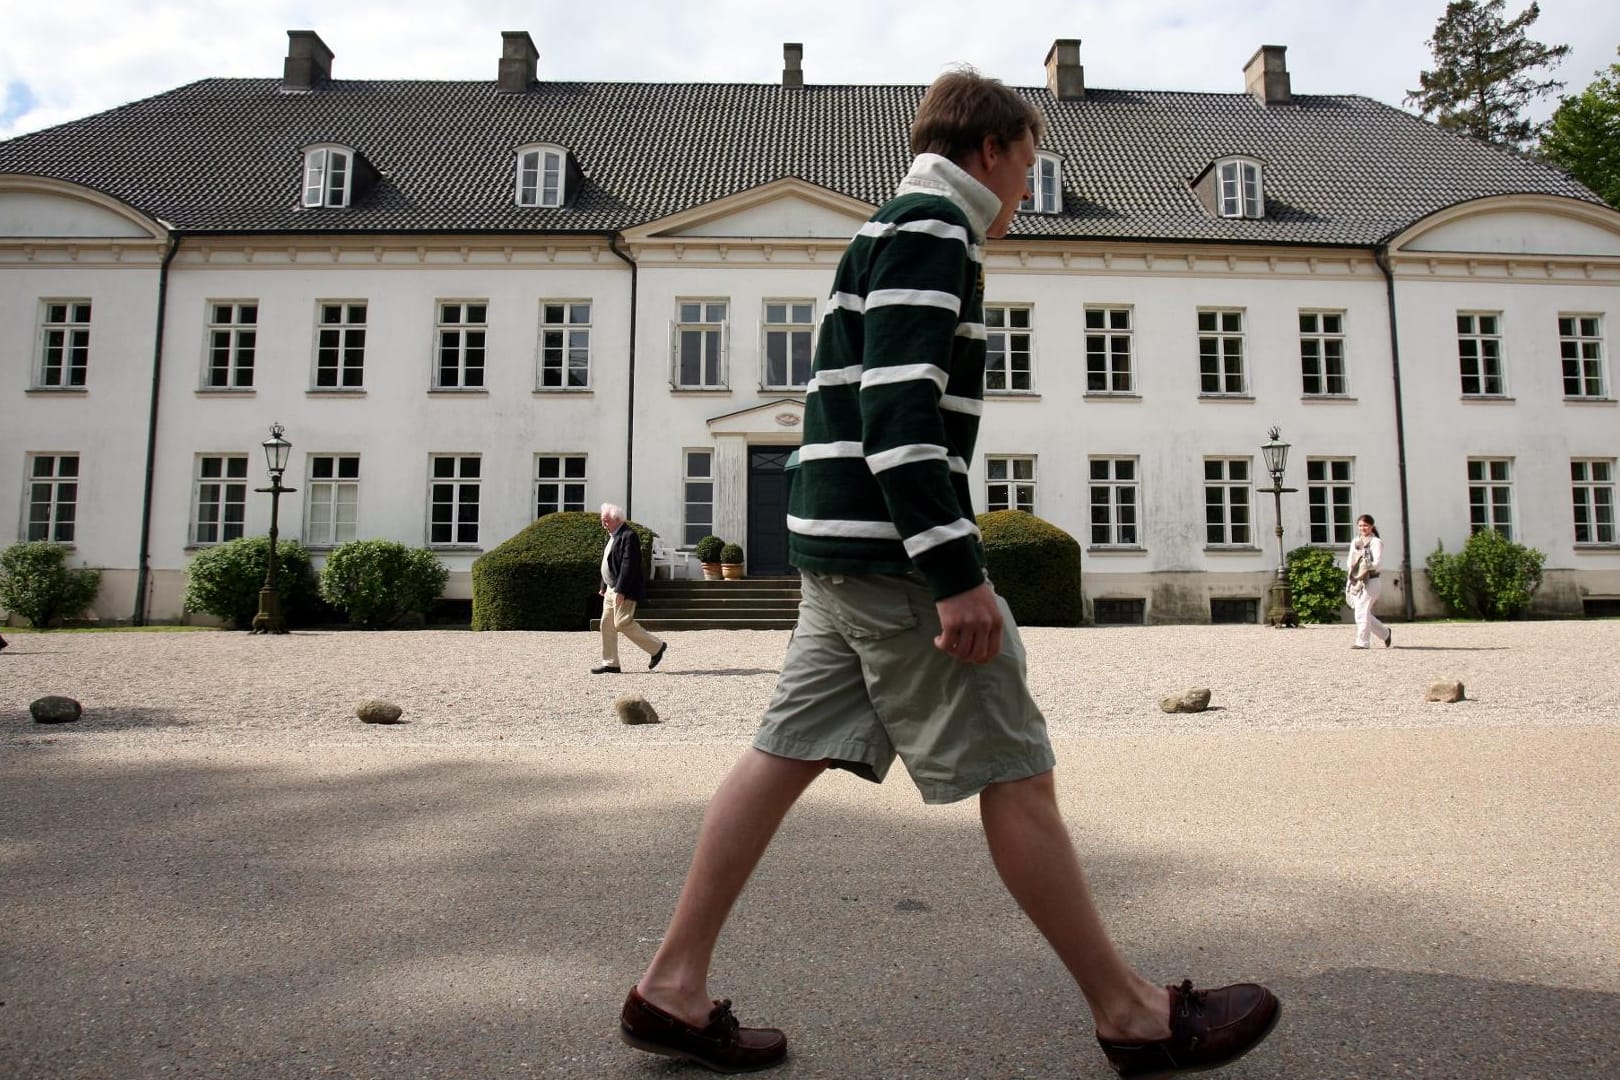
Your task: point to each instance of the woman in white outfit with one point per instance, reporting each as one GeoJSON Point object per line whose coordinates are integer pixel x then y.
{"type": "Point", "coordinates": [1362, 586]}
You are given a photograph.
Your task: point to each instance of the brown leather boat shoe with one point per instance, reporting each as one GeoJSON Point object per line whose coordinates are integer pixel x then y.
{"type": "Point", "coordinates": [1208, 1029]}
{"type": "Point", "coordinates": [723, 1046]}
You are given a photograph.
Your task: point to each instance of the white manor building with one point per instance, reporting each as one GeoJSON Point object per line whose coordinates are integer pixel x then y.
{"type": "Point", "coordinates": [472, 303]}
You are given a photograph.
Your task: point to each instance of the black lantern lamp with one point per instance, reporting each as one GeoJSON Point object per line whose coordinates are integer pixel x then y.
{"type": "Point", "coordinates": [269, 619]}
{"type": "Point", "coordinates": [1280, 603]}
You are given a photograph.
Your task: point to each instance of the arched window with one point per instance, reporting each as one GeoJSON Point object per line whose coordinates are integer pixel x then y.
{"type": "Point", "coordinates": [328, 175]}
{"type": "Point", "coordinates": [1238, 192]}
{"type": "Point", "coordinates": [541, 172]}
{"type": "Point", "coordinates": [1045, 186]}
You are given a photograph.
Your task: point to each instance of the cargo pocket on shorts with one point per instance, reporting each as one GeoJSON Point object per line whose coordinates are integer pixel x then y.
{"type": "Point", "coordinates": [875, 608]}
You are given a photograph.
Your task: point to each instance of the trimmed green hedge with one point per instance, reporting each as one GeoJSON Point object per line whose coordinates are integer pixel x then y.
{"type": "Point", "coordinates": [37, 583]}
{"type": "Point", "coordinates": [1316, 584]}
{"type": "Point", "coordinates": [1490, 578]}
{"type": "Point", "coordinates": [547, 576]}
{"type": "Point", "coordinates": [224, 580]}
{"type": "Point", "coordinates": [1035, 566]}
{"type": "Point", "coordinates": [382, 583]}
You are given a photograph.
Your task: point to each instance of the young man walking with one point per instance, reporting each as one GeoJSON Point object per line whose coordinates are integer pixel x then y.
{"type": "Point", "coordinates": [624, 585]}
{"type": "Point", "coordinates": [902, 646]}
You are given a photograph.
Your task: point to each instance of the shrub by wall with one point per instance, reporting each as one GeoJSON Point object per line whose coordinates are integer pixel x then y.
{"type": "Point", "coordinates": [1316, 583]}
{"type": "Point", "coordinates": [1490, 578]}
{"type": "Point", "coordinates": [1035, 566]}
{"type": "Point", "coordinates": [547, 576]}
{"type": "Point", "coordinates": [37, 583]}
{"type": "Point", "coordinates": [381, 583]}
{"type": "Point", "coordinates": [224, 580]}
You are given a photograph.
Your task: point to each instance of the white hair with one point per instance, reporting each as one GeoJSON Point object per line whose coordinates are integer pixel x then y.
{"type": "Point", "coordinates": [613, 511]}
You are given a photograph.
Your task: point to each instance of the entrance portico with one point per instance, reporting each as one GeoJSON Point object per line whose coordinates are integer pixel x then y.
{"type": "Point", "coordinates": [750, 488]}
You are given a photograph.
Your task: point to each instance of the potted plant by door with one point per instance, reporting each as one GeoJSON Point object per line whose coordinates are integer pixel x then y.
{"type": "Point", "coordinates": [708, 552]}
{"type": "Point", "coordinates": [731, 561]}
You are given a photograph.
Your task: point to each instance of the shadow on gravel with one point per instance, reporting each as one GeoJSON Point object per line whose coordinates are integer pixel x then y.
{"type": "Point", "coordinates": [96, 718]}
{"type": "Point", "coordinates": [726, 671]}
{"type": "Point", "coordinates": [1451, 648]}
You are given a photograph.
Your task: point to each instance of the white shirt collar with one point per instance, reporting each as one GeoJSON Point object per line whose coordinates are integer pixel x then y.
{"type": "Point", "coordinates": [932, 174]}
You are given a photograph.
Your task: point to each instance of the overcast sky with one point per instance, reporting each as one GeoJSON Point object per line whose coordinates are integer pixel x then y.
{"type": "Point", "coordinates": [63, 60]}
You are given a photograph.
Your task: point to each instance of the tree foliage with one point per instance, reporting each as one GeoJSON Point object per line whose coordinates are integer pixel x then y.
{"type": "Point", "coordinates": [380, 583]}
{"type": "Point", "coordinates": [1316, 584]}
{"type": "Point", "coordinates": [1583, 137]}
{"type": "Point", "coordinates": [37, 583]}
{"type": "Point", "coordinates": [224, 580]}
{"type": "Point", "coordinates": [1485, 72]}
{"type": "Point", "coordinates": [1490, 578]}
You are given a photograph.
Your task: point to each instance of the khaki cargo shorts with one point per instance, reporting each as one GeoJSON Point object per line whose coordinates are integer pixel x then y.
{"type": "Point", "coordinates": [863, 682]}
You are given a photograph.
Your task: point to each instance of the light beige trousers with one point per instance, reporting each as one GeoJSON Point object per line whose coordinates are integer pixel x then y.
{"type": "Point", "coordinates": [619, 617]}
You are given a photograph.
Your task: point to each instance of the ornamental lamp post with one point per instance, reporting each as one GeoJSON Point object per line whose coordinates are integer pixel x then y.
{"type": "Point", "coordinates": [1280, 604]}
{"type": "Point", "coordinates": [269, 619]}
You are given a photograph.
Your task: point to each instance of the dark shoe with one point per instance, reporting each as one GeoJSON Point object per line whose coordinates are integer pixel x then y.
{"type": "Point", "coordinates": [2, 642]}
{"type": "Point", "coordinates": [1389, 638]}
{"type": "Point", "coordinates": [657, 656]}
{"type": "Point", "coordinates": [723, 1045]}
{"type": "Point", "coordinates": [1208, 1029]}
{"type": "Point", "coordinates": [605, 669]}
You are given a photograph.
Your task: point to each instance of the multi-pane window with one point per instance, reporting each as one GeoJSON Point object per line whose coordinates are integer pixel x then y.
{"type": "Point", "coordinates": [453, 499]}
{"type": "Point", "coordinates": [460, 335]}
{"type": "Point", "coordinates": [1009, 483]}
{"type": "Point", "coordinates": [64, 355]}
{"type": "Point", "coordinates": [540, 177]}
{"type": "Point", "coordinates": [1238, 189]}
{"type": "Point", "coordinates": [1008, 331]}
{"type": "Point", "coordinates": [1580, 344]}
{"type": "Point", "coordinates": [1479, 351]}
{"type": "Point", "coordinates": [327, 171]}
{"type": "Point", "coordinates": [1592, 481]}
{"type": "Point", "coordinates": [1045, 180]}
{"type": "Point", "coordinates": [220, 502]}
{"type": "Point", "coordinates": [1108, 351]}
{"type": "Point", "coordinates": [565, 344]}
{"type": "Point", "coordinates": [697, 496]}
{"type": "Point", "coordinates": [1321, 352]}
{"type": "Point", "coordinates": [340, 346]}
{"type": "Point", "coordinates": [788, 329]}
{"type": "Point", "coordinates": [1220, 352]}
{"type": "Point", "coordinates": [1227, 502]}
{"type": "Point", "coordinates": [331, 499]}
{"type": "Point", "coordinates": [1490, 495]}
{"type": "Point", "coordinates": [53, 497]}
{"type": "Point", "coordinates": [233, 338]}
{"type": "Point", "coordinates": [1114, 502]}
{"type": "Point", "coordinates": [559, 483]}
{"type": "Point", "coordinates": [700, 340]}
{"type": "Point", "coordinates": [1330, 491]}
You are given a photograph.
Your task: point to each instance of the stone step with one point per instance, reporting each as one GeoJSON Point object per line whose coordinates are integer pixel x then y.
{"type": "Point", "coordinates": [753, 603]}
{"type": "Point", "coordinates": [657, 626]}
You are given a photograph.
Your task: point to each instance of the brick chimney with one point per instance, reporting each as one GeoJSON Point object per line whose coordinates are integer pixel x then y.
{"type": "Point", "coordinates": [1065, 78]}
{"type": "Point", "coordinates": [792, 75]}
{"type": "Point", "coordinates": [519, 61]}
{"type": "Point", "coordinates": [309, 61]}
{"type": "Point", "coordinates": [1266, 75]}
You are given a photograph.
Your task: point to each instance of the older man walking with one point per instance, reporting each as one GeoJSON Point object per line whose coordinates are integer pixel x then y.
{"type": "Point", "coordinates": [624, 585]}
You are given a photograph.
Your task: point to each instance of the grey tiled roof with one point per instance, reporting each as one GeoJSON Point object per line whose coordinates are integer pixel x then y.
{"type": "Point", "coordinates": [224, 155]}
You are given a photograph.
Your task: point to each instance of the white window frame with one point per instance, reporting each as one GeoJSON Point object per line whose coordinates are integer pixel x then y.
{"type": "Point", "coordinates": [347, 329]}
{"type": "Point", "coordinates": [1240, 188]}
{"type": "Point", "coordinates": [693, 481]}
{"type": "Point", "coordinates": [713, 341]}
{"type": "Point", "coordinates": [1110, 335]}
{"type": "Point", "coordinates": [230, 346]}
{"type": "Point", "coordinates": [1232, 493]}
{"type": "Point", "coordinates": [1480, 343]}
{"type": "Point", "coordinates": [461, 332]}
{"type": "Point", "coordinates": [564, 360]}
{"type": "Point", "coordinates": [232, 482]}
{"type": "Point", "coordinates": [1321, 349]}
{"type": "Point", "coordinates": [1227, 356]}
{"type": "Point", "coordinates": [331, 499]}
{"type": "Point", "coordinates": [1114, 493]}
{"type": "Point", "coordinates": [65, 336]}
{"type": "Point", "coordinates": [1580, 348]}
{"type": "Point", "coordinates": [1009, 482]}
{"type": "Point", "coordinates": [1490, 495]}
{"type": "Point", "coordinates": [1005, 341]}
{"type": "Point", "coordinates": [1330, 497]}
{"type": "Point", "coordinates": [1044, 182]}
{"type": "Point", "coordinates": [788, 330]}
{"type": "Point", "coordinates": [55, 491]}
{"type": "Point", "coordinates": [553, 489]}
{"type": "Point", "coordinates": [328, 176]}
{"type": "Point", "coordinates": [450, 487]}
{"type": "Point", "coordinates": [1592, 493]}
{"type": "Point", "coordinates": [542, 175]}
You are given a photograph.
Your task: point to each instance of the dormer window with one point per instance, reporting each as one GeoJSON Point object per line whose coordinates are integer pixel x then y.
{"type": "Point", "coordinates": [1045, 186]}
{"type": "Point", "coordinates": [328, 175]}
{"type": "Point", "coordinates": [541, 175]}
{"type": "Point", "coordinates": [1238, 189]}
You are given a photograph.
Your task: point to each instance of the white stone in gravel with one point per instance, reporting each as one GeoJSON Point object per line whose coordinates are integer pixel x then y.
{"type": "Point", "coordinates": [378, 711]}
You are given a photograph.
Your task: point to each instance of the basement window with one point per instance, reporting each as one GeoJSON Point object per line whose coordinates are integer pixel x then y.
{"type": "Point", "coordinates": [328, 175]}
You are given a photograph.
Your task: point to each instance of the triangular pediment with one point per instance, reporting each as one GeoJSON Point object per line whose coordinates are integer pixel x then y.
{"type": "Point", "coordinates": [783, 209]}
{"type": "Point", "coordinates": [783, 417]}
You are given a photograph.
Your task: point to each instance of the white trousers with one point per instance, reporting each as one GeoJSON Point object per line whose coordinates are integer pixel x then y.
{"type": "Point", "coordinates": [1362, 601]}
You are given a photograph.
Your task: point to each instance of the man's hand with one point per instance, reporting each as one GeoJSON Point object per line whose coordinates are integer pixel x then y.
{"type": "Point", "coordinates": [970, 625]}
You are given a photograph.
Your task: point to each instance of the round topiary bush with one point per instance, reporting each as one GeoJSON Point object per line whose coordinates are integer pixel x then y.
{"type": "Point", "coordinates": [708, 549]}
{"type": "Point", "coordinates": [378, 583]}
{"type": "Point", "coordinates": [224, 580]}
{"type": "Point", "coordinates": [37, 583]}
{"type": "Point", "coordinates": [1035, 566]}
{"type": "Point", "coordinates": [1316, 584]}
{"type": "Point", "coordinates": [731, 553]}
{"type": "Point", "coordinates": [547, 576]}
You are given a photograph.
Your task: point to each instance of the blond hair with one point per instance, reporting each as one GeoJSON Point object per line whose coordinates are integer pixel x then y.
{"type": "Point", "coordinates": [962, 107]}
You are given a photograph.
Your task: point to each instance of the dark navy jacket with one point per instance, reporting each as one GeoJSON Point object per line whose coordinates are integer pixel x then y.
{"type": "Point", "coordinates": [625, 575]}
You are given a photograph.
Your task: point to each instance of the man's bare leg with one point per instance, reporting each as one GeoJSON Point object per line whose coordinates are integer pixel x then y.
{"type": "Point", "coordinates": [1032, 851]}
{"type": "Point", "coordinates": [737, 827]}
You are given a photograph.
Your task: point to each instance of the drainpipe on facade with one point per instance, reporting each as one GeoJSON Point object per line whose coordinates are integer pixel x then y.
{"type": "Point", "coordinates": [630, 410]}
{"type": "Point", "coordinates": [142, 570]}
{"type": "Point", "coordinates": [1381, 257]}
